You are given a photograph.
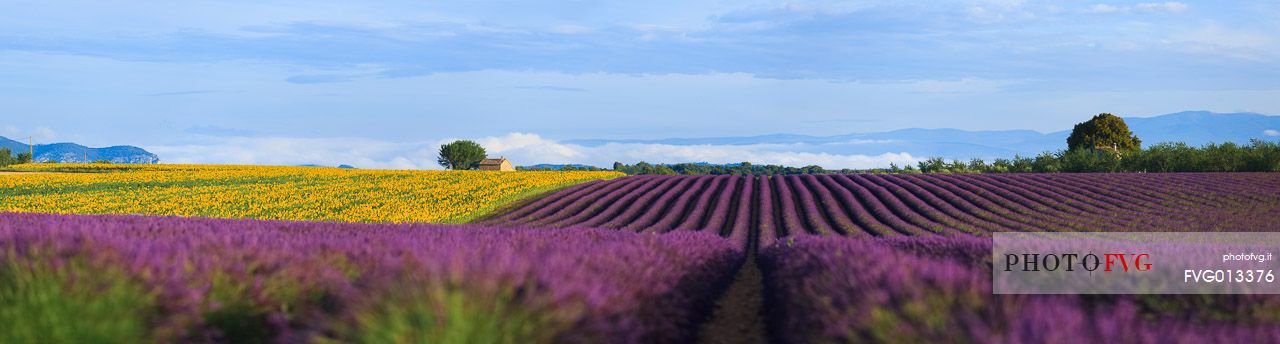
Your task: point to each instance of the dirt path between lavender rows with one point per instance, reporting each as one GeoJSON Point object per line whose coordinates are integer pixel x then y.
{"type": "Point", "coordinates": [739, 314]}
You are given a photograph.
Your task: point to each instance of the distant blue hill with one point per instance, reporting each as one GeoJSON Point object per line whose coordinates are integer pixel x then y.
{"type": "Point", "coordinates": [70, 152]}
{"type": "Point", "coordinates": [1191, 127]}
{"type": "Point", "coordinates": [317, 165]}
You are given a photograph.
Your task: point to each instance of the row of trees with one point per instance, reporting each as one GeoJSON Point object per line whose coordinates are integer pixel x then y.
{"type": "Point", "coordinates": [1257, 156]}
{"type": "Point", "coordinates": [7, 158]}
{"type": "Point", "coordinates": [744, 168]}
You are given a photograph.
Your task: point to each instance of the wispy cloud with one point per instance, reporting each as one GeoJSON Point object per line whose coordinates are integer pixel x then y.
{"type": "Point", "coordinates": [318, 79]}
{"type": "Point", "coordinates": [701, 68]}
{"type": "Point", "coordinates": [1103, 8]}
{"type": "Point", "coordinates": [1168, 6]}
{"type": "Point", "coordinates": [45, 134]}
{"type": "Point", "coordinates": [210, 130]}
{"type": "Point", "coordinates": [876, 41]}
{"type": "Point", "coordinates": [550, 88]}
{"type": "Point", "coordinates": [180, 93]}
{"type": "Point", "coordinates": [1146, 7]}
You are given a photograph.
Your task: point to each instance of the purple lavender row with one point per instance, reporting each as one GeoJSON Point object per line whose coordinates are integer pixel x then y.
{"type": "Point", "coordinates": [624, 210]}
{"type": "Point", "coordinates": [683, 206]}
{"type": "Point", "coordinates": [703, 205]}
{"type": "Point", "coordinates": [666, 209]}
{"type": "Point", "coordinates": [944, 197]}
{"type": "Point", "coordinates": [593, 207]}
{"type": "Point", "coordinates": [979, 205]}
{"type": "Point", "coordinates": [1067, 195]}
{"type": "Point", "coordinates": [813, 218]}
{"type": "Point", "coordinates": [766, 217]}
{"type": "Point", "coordinates": [920, 218]}
{"type": "Point", "coordinates": [1117, 213]}
{"type": "Point", "coordinates": [1088, 192]}
{"type": "Point", "coordinates": [741, 231]}
{"type": "Point", "coordinates": [855, 216]}
{"type": "Point", "coordinates": [168, 279]}
{"type": "Point", "coordinates": [649, 202]}
{"type": "Point", "coordinates": [1177, 189]}
{"type": "Point", "coordinates": [584, 203]}
{"type": "Point", "coordinates": [1037, 207]}
{"type": "Point", "coordinates": [876, 209]}
{"type": "Point", "coordinates": [1219, 214]}
{"type": "Point", "coordinates": [557, 201]}
{"type": "Point", "coordinates": [932, 206]}
{"type": "Point", "coordinates": [835, 202]}
{"type": "Point", "coordinates": [993, 202]}
{"type": "Point", "coordinates": [720, 213]}
{"type": "Point", "coordinates": [1088, 216]}
{"type": "Point", "coordinates": [786, 201]}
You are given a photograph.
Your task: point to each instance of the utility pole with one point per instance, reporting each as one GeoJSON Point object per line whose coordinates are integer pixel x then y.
{"type": "Point", "coordinates": [31, 148]}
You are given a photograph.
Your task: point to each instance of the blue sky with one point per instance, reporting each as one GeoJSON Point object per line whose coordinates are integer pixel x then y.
{"type": "Point", "coordinates": [300, 82]}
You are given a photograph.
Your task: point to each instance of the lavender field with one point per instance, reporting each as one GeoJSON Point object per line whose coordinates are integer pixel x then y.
{"type": "Point", "coordinates": [646, 259]}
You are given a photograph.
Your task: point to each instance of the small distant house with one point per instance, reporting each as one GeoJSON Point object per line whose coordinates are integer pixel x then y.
{"type": "Point", "coordinates": [1113, 149]}
{"type": "Point", "coordinates": [499, 164]}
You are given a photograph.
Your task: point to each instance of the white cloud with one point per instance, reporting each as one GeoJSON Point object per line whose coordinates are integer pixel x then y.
{"type": "Point", "coordinates": [11, 131]}
{"type": "Point", "coordinates": [365, 153]}
{"type": "Point", "coordinates": [1103, 8]}
{"type": "Point", "coordinates": [1271, 132]}
{"type": "Point", "coordinates": [569, 29]}
{"type": "Point", "coordinates": [521, 148]}
{"type": "Point", "coordinates": [1231, 42]}
{"type": "Point", "coordinates": [45, 134]}
{"type": "Point", "coordinates": [1171, 6]}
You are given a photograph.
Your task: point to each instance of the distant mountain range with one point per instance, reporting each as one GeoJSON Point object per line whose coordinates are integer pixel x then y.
{"type": "Point", "coordinates": [1191, 127]}
{"type": "Point", "coordinates": [70, 152]}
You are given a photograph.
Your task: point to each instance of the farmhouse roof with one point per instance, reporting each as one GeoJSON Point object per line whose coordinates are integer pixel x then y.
{"type": "Point", "coordinates": [497, 161]}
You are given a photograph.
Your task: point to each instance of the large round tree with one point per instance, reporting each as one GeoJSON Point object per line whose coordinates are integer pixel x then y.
{"type": "Point", "coordinates": [461, 155]}
{"type": "Point", "coordinates": [1104, 130]}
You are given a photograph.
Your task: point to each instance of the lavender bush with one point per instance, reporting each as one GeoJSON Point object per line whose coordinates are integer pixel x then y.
{"type": "Point", "coordinates": [67, 278]}
{"type": "Point", "coordinates": [938, 289]}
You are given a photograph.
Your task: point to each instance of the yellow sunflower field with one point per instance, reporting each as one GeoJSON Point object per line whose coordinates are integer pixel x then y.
{"type": "Point", "coordinates": [274, 192]}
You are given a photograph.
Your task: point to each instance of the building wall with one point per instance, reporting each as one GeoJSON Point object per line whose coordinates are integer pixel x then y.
{"type": "Point", "coordinates": [505, 166]}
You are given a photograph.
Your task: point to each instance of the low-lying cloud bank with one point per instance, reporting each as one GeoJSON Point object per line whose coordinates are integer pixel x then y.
{"type": "Point", "coordinates": [520, 148]}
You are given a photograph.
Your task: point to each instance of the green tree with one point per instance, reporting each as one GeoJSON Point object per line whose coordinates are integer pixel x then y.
{"type": "Point", "coordinates": [1103, 130]}
{"type": "Point", "coordinates": [6, 157]}
{"type": "Point", "coordinates": [461, 155]}
{"type": "Point", "coordinates": [24, 158]}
